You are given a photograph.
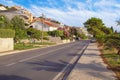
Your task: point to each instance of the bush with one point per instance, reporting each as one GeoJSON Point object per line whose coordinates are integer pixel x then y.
{"type": "Point", "coordinates": [21, 46]}
{"type": "Point", "coordinates": [4, 22]}
{"type": "Point", "coordinates": [7, 33]}
{"type": "Point", "coordinates": [34, 33]}
{"type": "Point", "coordinates": [82, 36]}
{"type": "Point", "coordinates": [45, 38]}
{"type": "Point", "coordinates": [56, 33]}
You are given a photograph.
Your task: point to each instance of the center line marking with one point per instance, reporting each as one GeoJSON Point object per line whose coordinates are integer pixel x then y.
{"type": "Point", "coordinates": [11, 64]}
{"type": "Point", "coordinates": [36, 56]}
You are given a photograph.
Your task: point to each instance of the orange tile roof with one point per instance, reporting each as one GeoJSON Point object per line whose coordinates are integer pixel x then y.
{"type": "Point", "coordinates": [48, 23]}
{"type": "Point", "coordinates": [45, 22]}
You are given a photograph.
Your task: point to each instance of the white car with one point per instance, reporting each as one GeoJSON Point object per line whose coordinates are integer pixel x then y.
{"type": "Point", "coordinates": [93, 40]}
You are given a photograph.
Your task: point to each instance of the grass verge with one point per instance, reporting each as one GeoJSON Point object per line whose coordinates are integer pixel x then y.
{"type": "Point", "coordinates": [21, 46]}
{"type": "Point", "coordinates": [44, 43]}
{"type": "Point", "coordinates": [111, 57]}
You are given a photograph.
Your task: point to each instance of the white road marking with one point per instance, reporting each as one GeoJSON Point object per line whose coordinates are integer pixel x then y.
{"type": "Point", "coordinates": [10, 64]}
{"type": "Point", "coordinates": [71, 62]}
{"type": "Point", "coordinates": [35, 56]}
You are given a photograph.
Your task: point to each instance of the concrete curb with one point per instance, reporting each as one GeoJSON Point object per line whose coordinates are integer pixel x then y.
{"type": "Point", "coordinates": [74, 62]}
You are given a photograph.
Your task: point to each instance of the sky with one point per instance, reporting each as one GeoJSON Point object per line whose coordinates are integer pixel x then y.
{"type": "Point", "coordinates": [73, 12]}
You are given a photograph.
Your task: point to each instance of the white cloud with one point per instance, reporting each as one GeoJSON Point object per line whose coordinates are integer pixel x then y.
{"type": "Point", "coordinates": [107, 10]}
{"type": "Point", "coordinates": [8, 2]}
{"type": "Point", "coordinates": [117, 5]}
{"type": "Point", "coordinates": [76, 17]}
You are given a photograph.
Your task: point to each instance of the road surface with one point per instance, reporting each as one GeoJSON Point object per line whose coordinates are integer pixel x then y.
{"type": "Point", "coordinates": [40, 64]}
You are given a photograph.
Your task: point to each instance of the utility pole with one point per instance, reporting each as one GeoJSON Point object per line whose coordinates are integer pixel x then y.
{"type": "Point", "coordinates": [43, 20]}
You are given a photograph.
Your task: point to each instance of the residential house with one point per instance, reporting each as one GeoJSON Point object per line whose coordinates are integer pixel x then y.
{"type": "Point", "coordinates": [44, 25]}
{"type": "Point", "coordinates": [51, 25]}
{"type": "Point", "coordinates": [14, 11]}
{"type": "Point", "coordinates": [2, 8]}
{"type": "Point", "coordinates": [84, 31]}
{"type": "Point", "coordinates": [24, 12]}
{"type": "Point", "coordinates": [40, 26]}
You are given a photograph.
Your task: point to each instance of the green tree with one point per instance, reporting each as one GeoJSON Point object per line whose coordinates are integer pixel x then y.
{"type": "Point", "coordinates": [4, 22]}
{"type": "Point", "coordinates": [92, 24]}
{"type": "Point", "coordinates": [18, 25]}
{"type": "Point", "coordinates": [114, 41]}
{"type": "Point", "coordinates": [96, 27]}
{"type": "Point", "coordinates": [82, 36]}
{"type": "Point", "coordinates": [112, 29]}
{"type": "Point", "coordinates": [106, 30]}
{"type": "Point", "coordinates": [34, 33]}
{"type": "Point", "coordinates": [100, 36]}
{"type": "Point", "coordinates": [73, 31]}
{"type": "Point", "coordinates": [59, 33]}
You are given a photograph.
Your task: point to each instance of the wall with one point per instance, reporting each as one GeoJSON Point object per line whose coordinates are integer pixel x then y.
{"type": "Point", "coordinates": [6, 44]}
{"type": "Point", "coordinates": [52, 28]}
{"type": "Point", "coordinates": [38, 26]}
{"type": "Point", "coordinates": [55, 39]}
{"type": "Point", "coordinates": [66, 41]}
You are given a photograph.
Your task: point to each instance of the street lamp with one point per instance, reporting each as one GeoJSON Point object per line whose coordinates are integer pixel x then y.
{"type": "Point", "coordinates": [43, 20]}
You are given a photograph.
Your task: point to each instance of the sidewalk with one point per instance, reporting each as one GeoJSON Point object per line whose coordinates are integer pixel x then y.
{"type": "Point", "coordinates": [91, 66]}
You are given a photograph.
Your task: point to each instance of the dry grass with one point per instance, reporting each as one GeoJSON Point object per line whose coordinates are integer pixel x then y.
{"type": "Point", "coordinates": [111, 57]}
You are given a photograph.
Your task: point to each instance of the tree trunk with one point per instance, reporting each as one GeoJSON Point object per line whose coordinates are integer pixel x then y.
{"type": "Point", "coordinates": [119, 51]}
{"type": "Point", "coordinates": [118, 57]}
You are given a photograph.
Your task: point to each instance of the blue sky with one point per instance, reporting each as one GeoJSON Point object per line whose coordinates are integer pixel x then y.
{"type": "Point", "coordinates": [73, 12]}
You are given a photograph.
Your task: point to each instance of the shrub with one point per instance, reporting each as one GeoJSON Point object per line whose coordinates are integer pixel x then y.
{"type": "Point", "coordinates": [45, 38]}
{"type": "Point", "coordinates": [56, 33]}
{"type": "Point", "coordinates": [7, 33]}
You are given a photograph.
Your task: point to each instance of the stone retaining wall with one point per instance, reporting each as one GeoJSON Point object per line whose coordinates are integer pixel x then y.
{"type": "Point", "coordinates": [66, 41]}
{"type": "Point", "coordinates": [6, 44]}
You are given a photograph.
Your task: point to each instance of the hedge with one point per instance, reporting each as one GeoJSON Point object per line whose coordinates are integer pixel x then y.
{"type": "Point", "coordinates": [7, 33]}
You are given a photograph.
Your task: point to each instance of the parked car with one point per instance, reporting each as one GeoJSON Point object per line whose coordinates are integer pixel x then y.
{"type": "Point", "coordinates": [93, 40]}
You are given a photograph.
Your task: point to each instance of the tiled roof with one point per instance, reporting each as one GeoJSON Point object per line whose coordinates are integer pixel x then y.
{"type": "Point", "coordinates": [48, 23]}
{"type": "Point", "coordinates": [51, 24]}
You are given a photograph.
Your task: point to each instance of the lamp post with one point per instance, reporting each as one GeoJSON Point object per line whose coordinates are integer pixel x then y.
{"type": "Point", "coordinates": [43, 16]}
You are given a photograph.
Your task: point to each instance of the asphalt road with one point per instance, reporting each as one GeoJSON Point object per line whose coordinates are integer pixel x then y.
{"type": "Point", "coordinates": [40, 64]}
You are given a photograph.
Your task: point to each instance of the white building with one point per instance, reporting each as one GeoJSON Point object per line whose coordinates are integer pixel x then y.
{"type": "Point", "coordinates": [47, 26]}
{"type": "Point", "coordinates": [84, 31]}
{"type": "Point", "coordinates": [2, 8]}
